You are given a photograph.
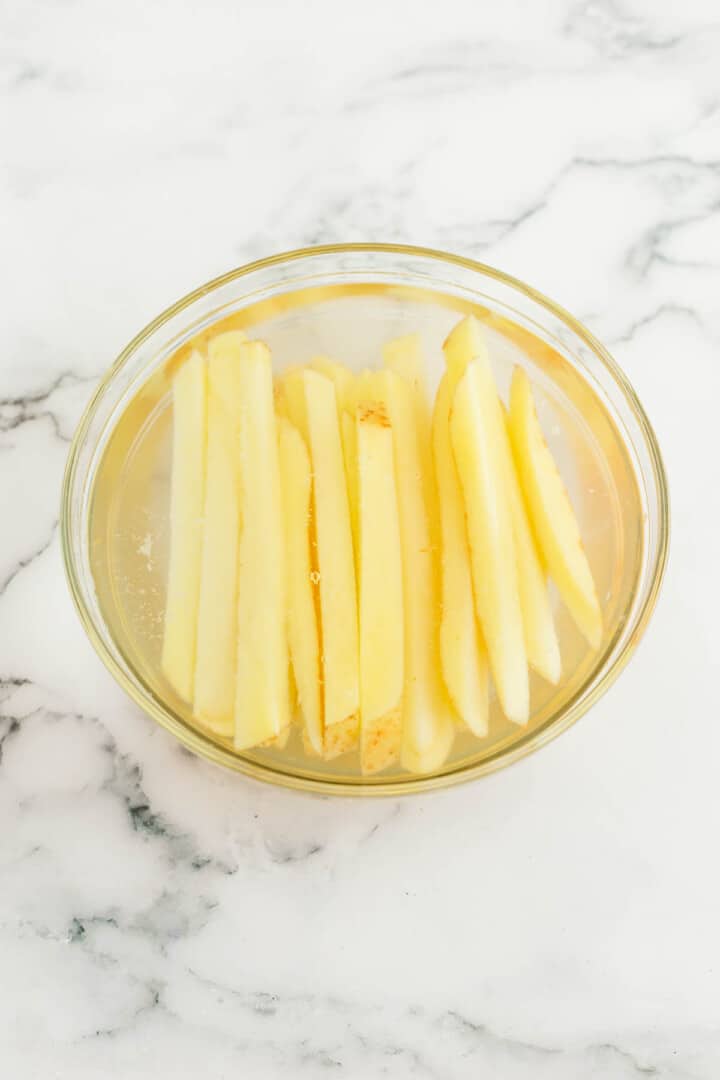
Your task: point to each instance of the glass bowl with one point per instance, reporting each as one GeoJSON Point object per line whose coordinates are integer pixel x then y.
{"type": "Point", "coordinates": [345, 301]}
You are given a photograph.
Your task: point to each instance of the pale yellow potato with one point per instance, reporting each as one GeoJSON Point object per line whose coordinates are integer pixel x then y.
{"type": "Point", "coordinates": [341, 733]}
{"type": "Point", "coordinates": [380, 592]}
{"type": "Point", "coordinates": [278, 742]}
{"type": "Point", "coordinates": [462, 650]}
{"type": "Point", "coordinates": [214, 693]}
{"type": "Point", "coordinates": [464, 343]}
{"type": "Point", "coordinates": [348, 432]}
{"type": "Point", "coordinates": [290, 398]}
{"type": "Point", "coordinates": [279, 398]}
{"type": "Point", "coordinates": [262, 692]}
{"type": "Point", "coordinates": [428, 716]}
{"type": "Point", "coordinates": [541, 641]}
{"type": "Point", "coordinates": [187, 503]}
{"type": "Point", "coordinates": [312, 405]}
{"type": "Point", "coordinates": [478, 433]}
{"type": "Point", "coordinates": [551, 513]}
{"type": "Point", "coordinates": [341, 377]}
{"type": "Point", "coordinates": [435, 755]}
{"type": "Point", "coordinates": [303, 630]}
{"type": "Point", "coordinates": [404, 356]}
{"type": "Point", "coordinates": [345, 384]}
{"type": "Point", "coordinates": [227, 341]}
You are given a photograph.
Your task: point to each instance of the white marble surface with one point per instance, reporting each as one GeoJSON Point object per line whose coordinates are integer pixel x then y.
{"type": "Point", "coordinates": [161, 918]}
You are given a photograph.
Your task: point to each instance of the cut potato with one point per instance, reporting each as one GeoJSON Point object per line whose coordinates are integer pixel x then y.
{"type": "Point", "coordinates": [462, 651]}
{"type": "Point", "coordinates": [348, 432]}
{"type": "Point", "coordinates": [478, 433]}
{"type": "Point", "coordinates": [187, 503]}
{"type": "Point", "coordinates": [340, 376]}
{"type": "Point", "coordinates": [551, 512]}
{"type": "Point", "coordinates": [278, 742]}
{"type": "Point", "coordinates": [291, 399]}
{"type": "Point", "coordinates": [279, 398]}
{"type": "Point", "coordinates": [226, 343]}
{"type": "Point", "coordinates": [214, 695]}
{"type": "Point", "coordinates": [380, 592]}
{"type": "Point", "coordinates": [428, 717]}
{"type": "Point", "coordinates": [312, 398]}
{"type": "Point", "coordinates": [465, 343]}
{"type": "Point", "coordinates": [435, 755]}
{"type": "Point", "coordinates": [404, 356]}
{"type": "Point", "coordinates": [344, 382]}
{"type": "Point", "coordinates": [541, 642]}
{"type": "Point", "coordinates": [262, 692]}
{"type": "Point", "coordinates": [303, 634]}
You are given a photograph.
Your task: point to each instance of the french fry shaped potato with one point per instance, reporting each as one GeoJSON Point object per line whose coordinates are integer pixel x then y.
{"type": "Point", "coordinates": [380, 591]}
{"type": "Point", "coordinates": [404, 356]}
{"type": "Point", "coordinates": [214, 695]}
{"type": "Point", "coordinates": [340, 376]}
{"type": "Point", "coordinates": [541, 642]}
{"type": "Point", "coordinates": [187, 503]}
{"type": "Point", "coordinates": [261, 688]}
{"type": "Point", "coordinates": [345, 393]}
{"type": "Point", "coordinates": [551, 512]}
{"type": "Point", "coordinates": [312, 406]}
{"type": "Point", "coordinates": [465, 343]}
{"type": "Point", "coordinates": [462, 651]}
{"type": "Point", "coordinates": [428, 716]}
{"type": "Point", "coordinates": [478, 433]}
{"type": "Point", "coordinates": [303, 635]}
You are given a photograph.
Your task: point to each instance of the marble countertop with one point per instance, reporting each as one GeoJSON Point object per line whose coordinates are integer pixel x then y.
{"type": "Point", "coordinates": [159, 917]}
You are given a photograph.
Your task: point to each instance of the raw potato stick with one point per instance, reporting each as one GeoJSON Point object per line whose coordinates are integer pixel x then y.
{"type": "Point", "coordinates": [404, 356]}
{"type": "Point", "coordinates": [543, 649]}
{"type": "Point", "coordinates": [477, 431]}
{"type": "Point", "coordinates": [380, 592]}
{"type": "Point", "coordinates": [462, 651]}
{"type": "Point", "coordinates": [312, 406]}
{"type": "Point", "coordinates": [551, 512]}
{"type": "Point", "coordinates": [345, 394]}
{"type": "Point", "coordinates": [187, 497]}
{"type": "Point", "coordinates": [302, 617]}
{"type": "Point", "coordinates": [428, 718]}
{"type": "Point", "coordinates": [466, 342]}
{"type": "Point", "coordinates": [214, 696]}
{"type": "Point", "coordinates": [261, 690]}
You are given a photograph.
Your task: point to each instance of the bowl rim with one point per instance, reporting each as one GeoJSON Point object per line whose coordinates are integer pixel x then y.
{"type": "Point", "coordinates": [221, 756]}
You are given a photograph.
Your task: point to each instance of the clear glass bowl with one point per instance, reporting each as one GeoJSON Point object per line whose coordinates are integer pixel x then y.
{"type": "Point", "coordinates": [345, 301]}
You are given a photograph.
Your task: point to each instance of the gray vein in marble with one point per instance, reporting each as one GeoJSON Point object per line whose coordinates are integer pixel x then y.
{"type": "Point", "coordinates": [660, 312]}
{"type": "Point", "coordinates": [614, 32]}
{"type": "Point", "coordinates": [617, 1051]}
{"type": "Point", "coordinates": [152, 991]}
{"type": "Point", "coordinates": [369, 1026]}
{"type": "Point", "coordinates": [442, 71]}
{"type": "Point", "coordinates": [13, 682]}
{"type": "Point", "coordinates": [283, 855]}
{"type": "Point", "coordinates": [643, 252]}
{"type": "Point", "coordinates": [28, 560]}
{"type": "Point", "coordinates": [20, 409]}
{"type": "Point", "coordinates": [125, 782]}
{"type": "Point", "coordinates": [391, 816]}
{"type": "Point", "coordinates": [11, 728]}
{"type": "Point", "coordinates": [646, 250]}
